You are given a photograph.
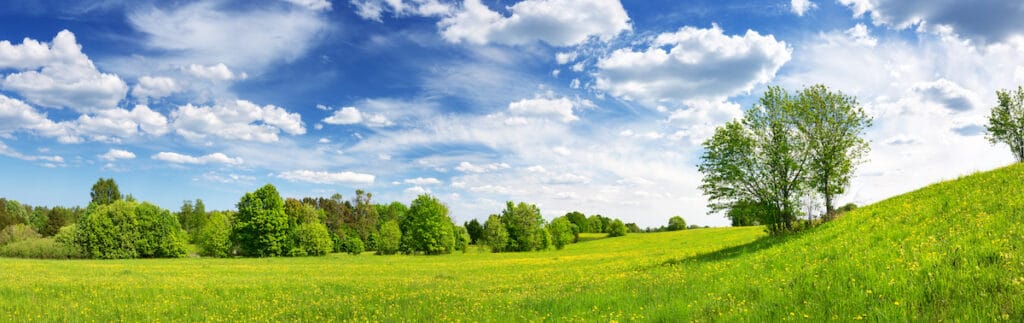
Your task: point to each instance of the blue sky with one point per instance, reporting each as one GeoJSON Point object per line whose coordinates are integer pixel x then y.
{"type": "Point", "coordinates": [591, 105]}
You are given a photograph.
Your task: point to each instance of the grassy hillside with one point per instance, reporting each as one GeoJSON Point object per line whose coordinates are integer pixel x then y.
{"type": "Point", "coordinates": [948, 251]}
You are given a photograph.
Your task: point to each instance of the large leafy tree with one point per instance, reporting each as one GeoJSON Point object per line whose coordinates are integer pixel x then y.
{"type": "Point", "coordinates": [1006, 122]}
{"type": "Point", "coordinates": [261, 226]}
{"type": "Point", "coordinates": [495, 234]}
{"type": "Point", "coordinates": [761, 158]}
{"type": "Point", "coordinates": [832, 124]}
{"type": "Point", "coordinates": [561, 230]}
{"type": "Point", "coordinates": [676, 223]}
{"type": "Point", "coordinates": [427, 227]}
{"type": "Point", "coordinates": [105, 191]}
{"type": "Point", "coordinates": [580, 220]}
{"type": "Point", "coordinates": [389, 238]}
{"type": "Point", "coordinates": [524, 224]}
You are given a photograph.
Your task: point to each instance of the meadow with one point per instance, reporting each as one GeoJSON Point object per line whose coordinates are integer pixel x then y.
{"type": "Point", "coordinates": [949, 251]}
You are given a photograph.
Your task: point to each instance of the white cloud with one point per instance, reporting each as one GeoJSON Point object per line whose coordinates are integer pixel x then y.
{"type": "Point", "coordinates": [947, 93]}
{"type": "Point", "coordinates": [59, 75]}
{"type": "Point", "coordinates": [210, 33]}
{"type": "Point", "coordinates": [315, 5]}
{"type": "Point", "coordinates": [115, 154]}
{"type": "Point", "coordinates": [323, 177]}
{"type": "Point", "coordinates": [467, 167]}
{"type": "Point", "coordinates": [226, 178]}
{"type": "Point", "coordinates": [560, 107]}
{"type": "Point", "coordinates": [562, 150]}
{"type": "Point", "coordinates": [324, 141]}
{"type": "Point", "coordinates": [698, 120]}
{"type": "Point", "coordinates": [15, 115]}
{"type": "Point", "coordinates": [375, 9]}
{"type": "Point", "coordinates": [214, 158]}
{"type": "Point", "coordinates": [108, 125]}
{"type": "Point", "coordinates": [416, 190]}
{"type": "Point", "coordinates": [860, 34]}
{"type": "Point", "coordinates": [239, 120]}
{"type": "Point", "coordinates": [800, 7]}
{"type": "Point", "coordinates": [981, 21]}
{"type": "Point", "coordinates": [565, 58]}
{"type": "Point", "coordinates": [218, 72]}
{"type": "Point", "coordinates": [49, 161]}
{"type": "Point", "coordinates": [352, 115]}
{"type": "Point", "coordinates": [155, 87]}
{"type": "Point", "coordinates": [422, 181]}
{"type": "Point", "coordinates": [556, 22]}
{"type": "Point", "coordinates": [701, 64]}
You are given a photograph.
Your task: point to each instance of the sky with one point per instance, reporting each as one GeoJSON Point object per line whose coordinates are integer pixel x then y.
{"type": "Point", "coordinates": [599, 106]}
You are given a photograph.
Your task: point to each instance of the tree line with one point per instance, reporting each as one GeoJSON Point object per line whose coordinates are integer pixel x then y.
{"type": "Point", "coordinates": [115, 226]}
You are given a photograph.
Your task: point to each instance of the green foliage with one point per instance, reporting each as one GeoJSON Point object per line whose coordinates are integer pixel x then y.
{"type": "Point", "coordinates": [427, 227]}
{"type": "Point", "coordinates": [832, 125]}
{"type": "Point", "coordinates": [1006, 122]}
{"type": "Point", "coordinates": [524, 224]}
{"type": "Point", "coordinates": [39, 248]}
{"type": "Point", "coordinates": [394, 211]}
{"type": "Point", "coordinates": [353, 245]}
{"type": "Point", "coordinates": [58, 217]}
{"type": "Point", "coordinates": [364, 215]}
{"type": "Point", "coordinates": [389, 238]}
{"type": "Point", "coordinates": [108, 231]}
{"type": "Point", "coordinates": [214, 237]}
{"type": "Point", "coordinates": [311, 239]}
{"type": "Point", "coordinates": [746, 213]}
{"type": "Point", "coordinates": [462, 238]}
{"type": "Point", "coordinates": [580, 220]}
{"type": "Point", "coordinates": [561, 232]}
{"type": "Point", "coordinates": [160, 234]}
{"type": "Point", "coordinates": [617, 228]}
{"type": "Point", "coordinates": [192, 217]}
{"type": "Point", "coordinates": [495, 234]}
{"type": "Point", "coordinates": [104, 192]}
{"type": "Point", "coordinates": [596, 223]}
{"type": "Point", "coordinates": [475, 230]}
{"type": "Point", "coordinates": [261, 226]}
{"type": "Point", "coordinates": [633, 228]}
{"type": "Point", "coordinates": [17, 232]}
{"type": "Point", "coordinates": [12, 212]}
{"type": "Point", "coordinates": [676, 223]}
{"type": "Point", "coordinates": [37, 217]}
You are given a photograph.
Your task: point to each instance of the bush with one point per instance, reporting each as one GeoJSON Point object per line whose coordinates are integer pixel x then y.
{"type": "Point", "coordinates": [214, 237]}
{"type": "Point", "coordinates": [66, 237]}
{"type": "Point", "coordinates": [354, 245]}
{"type": "Point", "coordinates": [312, 239]}
{"type": "Point", "coordinates": [108, 231]}
{"type": "Point", "coordinates": [561, 232]}
{"type": "Point", "coordinates": [160, 233]}
{"type": "Point", "coordinates": [617, 229]}
{"type": "Point", "coordinates": [389, 239]}
{"type": "Point", "coordinates": [40, 248]}
{"type": "Point", "coordinates": [16, 233]}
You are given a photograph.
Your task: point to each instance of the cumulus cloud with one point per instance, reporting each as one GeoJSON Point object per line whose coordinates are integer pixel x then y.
{"type": "Point", "coordinates": [59, 75]}
{"type": "Point", "coordinates": [155, 87]}
{"type": "Point", "coordinates": [981, 21]}
{"type": "Point", "coordinates": [15, 115]}
{"type": "Point", "coordinates": [556, 22]}
{"type": "Point", "coordinates": [860, 34]}
{"type": "Point", "coordinates": [422, 181]}
{"type": "Point", "coordinates": [699, 64]}
{"type": "Point", "coordinates": [211, 33]}
{"type": "Point", "coordinates": [237, 120]}
{"type": "Point", "coordinates": [115, 154]}
{"type": "Point", "coordinates": [214, 158]}
{"type": "Point", "coordinates": [698, 119]}
{"type": "Point", "coordinates": [217, 72]}
{"type": "Point", "coordinates": [375, 9]}
{"type": "Point", "coordinates": [315, 5]}
{"type": "Point", "coordinates": [559, 107]}
{"type": "Point", "coordinates": [352, 115]}
{"type": "Point", "coordinates": [323, 177]}
{"type": "Point", "coordinates": [108, 125]}
{"type": "Point", "coordinates": [948, 94]}
{"type": "Point", "coordinates": [467, 167]}
{"type": "Point", "coordinates": [416, 190]}
{"type": "Point", "coordinates": [799, 7]}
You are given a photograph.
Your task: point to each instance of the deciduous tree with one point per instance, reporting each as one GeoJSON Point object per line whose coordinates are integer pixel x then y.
{"type": "Point", "coordinates": [1006, 122]}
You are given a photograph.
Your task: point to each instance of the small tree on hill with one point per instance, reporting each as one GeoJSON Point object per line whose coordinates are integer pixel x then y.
{"type": "Point", "coordinates": [1006, 122]}
{"type": "Point", "coordinates": [617, 228]}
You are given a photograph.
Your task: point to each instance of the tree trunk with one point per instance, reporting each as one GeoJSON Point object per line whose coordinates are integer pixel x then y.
{"type": "Point", "coordinates": [829, 209]}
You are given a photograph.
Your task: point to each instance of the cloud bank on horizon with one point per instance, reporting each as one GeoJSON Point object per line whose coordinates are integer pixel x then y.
{"type": "Point", "coordinates": [591, 105]}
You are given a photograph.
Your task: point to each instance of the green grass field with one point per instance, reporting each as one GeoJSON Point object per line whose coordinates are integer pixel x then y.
{"type": "Point", "coordinates": [950, 251]}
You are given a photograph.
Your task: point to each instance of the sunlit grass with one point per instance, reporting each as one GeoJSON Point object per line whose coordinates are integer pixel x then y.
{"type": "Point", "coordinates": [947, 252]}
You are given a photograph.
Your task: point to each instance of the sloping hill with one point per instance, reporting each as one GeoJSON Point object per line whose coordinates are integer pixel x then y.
{"type": "Point", "coordinates": [952, 250]}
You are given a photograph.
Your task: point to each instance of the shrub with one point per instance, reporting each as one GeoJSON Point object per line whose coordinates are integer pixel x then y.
{"type": "Point", "coordinates": [108, 231]}
{"type": "Point", "coordinates": [389, 239]}
{"type": "Point", "coordinates": [66, 237]}
{"type": "Point", "coordinates": [41, 248]}
{"type": "Point", "coordinates": [617, 228]}
{"type": "Point", "coordinates": [160, 233]}
{"type": "Point", "coordinates": [313, 239]}
{"type": "Point", "coordinates": [561, 232]}
{"type": "Point", "coordinates": [354, 245]}
{"type": "Point", "coordinates": [16, 233]}
{"type": "Point", "coordinates": [214, 237]}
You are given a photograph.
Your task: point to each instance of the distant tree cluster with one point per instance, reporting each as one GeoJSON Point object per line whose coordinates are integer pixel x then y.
{"type": "Point", "coordinates": [784, 148]}
{"type": "Point", "coordinates": [520, 227]}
